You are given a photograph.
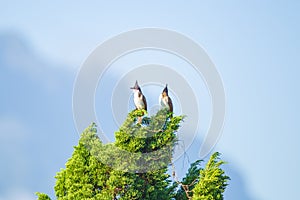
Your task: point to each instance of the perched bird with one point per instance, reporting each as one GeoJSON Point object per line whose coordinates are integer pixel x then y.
{"type": "Point", "coordinates": [164, 99]}
{"type": "Point", "coordinates": [138, 98]}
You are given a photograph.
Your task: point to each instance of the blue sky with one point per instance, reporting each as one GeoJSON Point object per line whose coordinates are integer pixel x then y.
{"type": "Point", "coordinates": [254, 45]}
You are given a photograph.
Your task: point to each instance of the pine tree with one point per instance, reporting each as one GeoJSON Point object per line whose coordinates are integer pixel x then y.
{"type": "Point", "coordinates": [42, 196]}
{"type": "Point", "coordinates": [188, 183]}
{"type": "Point", "coordinates": [84, 176]}
{"type": "Point", "coordinates": [151, 143]}
{"type": "Point", "coordinates": [212, 180]}
{"type": "Point", "coordinates": [135, 165]}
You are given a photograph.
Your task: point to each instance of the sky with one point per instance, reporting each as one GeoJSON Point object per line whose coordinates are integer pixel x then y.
{"type": "Point", "coordinates": [254, 46]}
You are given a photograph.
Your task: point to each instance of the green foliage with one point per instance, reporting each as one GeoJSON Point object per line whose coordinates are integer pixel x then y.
{"type": "Point", "coordinates": [150, 145]}
{"type": "Point", "coordinates": [189, 181]}
{"type": "Point", "coordinates": [212, 180]}
{"type": "Point", "coordinates": [134, 166]}
{"type": "Point", "coordinates": [84, 176]}
{"type": "Point", "coordinates": [42, 196]}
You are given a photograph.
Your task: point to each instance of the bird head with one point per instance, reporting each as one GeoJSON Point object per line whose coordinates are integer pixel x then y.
{"type": "Point", "coordinates": [165, 91]}
{"type": "Point", "coordinates": [136, 87]}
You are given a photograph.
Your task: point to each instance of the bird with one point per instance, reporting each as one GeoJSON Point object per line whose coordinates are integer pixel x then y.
{"type": "Point", "coordinates": [164, 100]}
{"type": "Point", "coordinates": [138, 97]}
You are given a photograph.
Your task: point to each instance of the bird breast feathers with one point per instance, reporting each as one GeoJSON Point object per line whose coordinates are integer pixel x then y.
{"type": "Point", "coordinates": [164, 101]}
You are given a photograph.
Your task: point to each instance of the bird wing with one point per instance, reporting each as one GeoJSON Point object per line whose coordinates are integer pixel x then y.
{"type": "Point", "coordinates": [170, 104]}
{"type": "Point", "coordinates": [145, 102]}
